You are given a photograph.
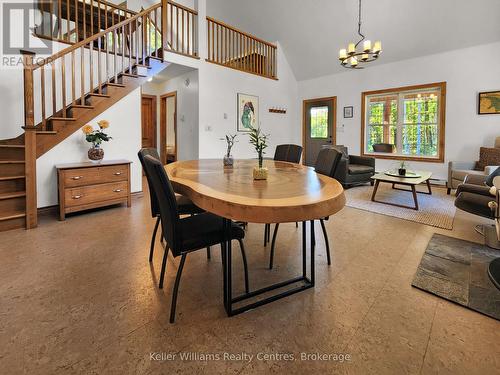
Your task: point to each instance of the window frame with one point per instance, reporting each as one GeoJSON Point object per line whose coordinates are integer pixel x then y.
{"type": "Point", "coordinates": [397, 90]}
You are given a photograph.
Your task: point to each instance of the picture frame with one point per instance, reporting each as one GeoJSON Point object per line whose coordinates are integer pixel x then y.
{"type": "Point", "coordinates": [348, 112]}
{"type": "Point", "coordinates": [248, 112]}
{"type": "Point", "coordinates": [488, 103]}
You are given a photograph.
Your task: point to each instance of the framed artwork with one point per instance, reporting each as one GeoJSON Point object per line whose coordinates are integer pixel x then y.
{"type": "Point", "coordinates": [489, 103]}
{"type": "Point", "coordinates": [348, 112]}
{"type": "Point", "coordinates": [248, 112]}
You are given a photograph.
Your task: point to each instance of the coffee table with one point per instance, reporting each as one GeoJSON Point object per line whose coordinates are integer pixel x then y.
{"type": "Point", "coordinates": [417, 178]}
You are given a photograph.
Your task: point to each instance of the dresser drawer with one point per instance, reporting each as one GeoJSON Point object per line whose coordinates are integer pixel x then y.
{"type": "Point", "coordinates": [95, 193]}
{"type": "Point", "coordinates": [97, 175]}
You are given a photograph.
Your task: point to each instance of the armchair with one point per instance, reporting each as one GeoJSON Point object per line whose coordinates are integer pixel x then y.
{"type": "Point", "coordinates": [352, 169]}
{"type": "Point", "coordinates": [459, 170]}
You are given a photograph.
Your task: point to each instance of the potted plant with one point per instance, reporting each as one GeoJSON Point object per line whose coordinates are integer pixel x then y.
{"type": "Point", "coordinates": [402, 169]}
{"type": "Point", "coordinates": [259, 142]}
{"type": "Point", "coordinates": [230, 140]}
{"type": "Point", "coordinates": [96, 137]}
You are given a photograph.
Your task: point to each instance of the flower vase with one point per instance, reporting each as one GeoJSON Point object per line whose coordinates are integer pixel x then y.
{"type": "Point", "coordinates": [228, 161]}
{"type": "Point", "coordinates": [260, 173]}
{"type": "Point", "coordinates": [96, 154]}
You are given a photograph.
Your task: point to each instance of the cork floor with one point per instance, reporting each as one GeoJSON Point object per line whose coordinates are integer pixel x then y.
{"type": "Point", "coordinates": [79, 297]}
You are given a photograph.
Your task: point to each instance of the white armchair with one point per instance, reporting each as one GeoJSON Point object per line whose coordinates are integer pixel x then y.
{"type": "Point", "coordinates": [459, 170]}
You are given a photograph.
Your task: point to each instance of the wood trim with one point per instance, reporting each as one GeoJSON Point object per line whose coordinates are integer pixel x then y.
{"type": "Point", "coordinates": [163, 125]}
{"type": "Point", "coordinates": [155, 118]}
{"type": "Point", "coordinates": [333, 130]}
{"type": "Point", "coordinates": [241, 69]}
{"type": "Point", "coordinates": [442, 122]}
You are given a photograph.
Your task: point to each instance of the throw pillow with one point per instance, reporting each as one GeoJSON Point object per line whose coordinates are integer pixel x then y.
{"type": "Point", "coordinates": [489, 179]}
{"type": "Point", "coordinates": [488, 156]}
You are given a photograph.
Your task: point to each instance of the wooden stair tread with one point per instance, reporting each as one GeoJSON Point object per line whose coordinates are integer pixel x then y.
{"type": "Point", "coordinates": [12, 146]}
{"type": "Point", "coordinates": [100, 95]}
{"type": "Point", "coordinates": [9, 178]}
{"type": "Point", "coordinates": [144, 66]}
{"type": "Point", "coordinates": [12, 161]}
{"type": "Point", "coordinates": [46, 132]}
{"type": "Point", "coordinates": [131, 75]}
{"type": "Point", "coordinates": [16, 194]}
{"type": "Point", "coordinates": [82, 106]}
{"type": "Point", "coordinates": [116, 84]}
{"type": "Point", "coordinates": [62, 118]}
{"type": "Point", "coordinates": [12, 215]}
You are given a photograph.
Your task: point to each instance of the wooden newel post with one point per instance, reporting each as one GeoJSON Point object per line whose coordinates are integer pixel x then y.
{"type": "Point", "coordinates": [164, 9]}
{"type": "Point", "coordinates": [29, 141]}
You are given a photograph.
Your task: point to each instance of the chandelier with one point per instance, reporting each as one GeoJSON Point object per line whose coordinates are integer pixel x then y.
{"type": "Point", "coordinates": [352, 57]}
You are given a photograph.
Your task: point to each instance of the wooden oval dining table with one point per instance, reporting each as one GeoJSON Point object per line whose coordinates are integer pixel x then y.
{"type": "Point", "coordinates": [291, 193]}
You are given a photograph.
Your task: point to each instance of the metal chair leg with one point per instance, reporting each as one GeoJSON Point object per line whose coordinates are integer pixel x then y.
{"type": "Point", "coordinates": [152, 248]}
{"type": "Point", "coordinates": [273, 243]}
{"type": "Point", "coordinates": [163, 267]}
{"type": "Point", "coordinates": [209, 256]}
{"type": "Point", "coordinates": [176, 288]}
{"type": "Point", "coordinates": [296, 225]}
{"type": "Point", "coordinates": [326, 241]}
{"type": "Point", "coordinates": [245, 266]}
{"type": "Point", "coordinates": [266, 237]}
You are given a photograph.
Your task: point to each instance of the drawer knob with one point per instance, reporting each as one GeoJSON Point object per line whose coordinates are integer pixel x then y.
{"type": "Point", "coordinates": [77, 177]}
{"type": "Point", "coordinates": [76, 196]}
{"type": "Point", "coordinates": [118, 173]}
{"type": "Point", "coordinates": [117, 190]}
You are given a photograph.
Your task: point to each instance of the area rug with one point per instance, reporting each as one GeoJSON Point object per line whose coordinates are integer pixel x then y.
{"type": "Point", "coordinates": [437, 210]}
{"type": "Point", "coordinates": [457, 270]}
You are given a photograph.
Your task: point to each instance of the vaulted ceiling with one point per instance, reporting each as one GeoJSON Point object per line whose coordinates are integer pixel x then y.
{"type": "Point", "coordinates": [312, 31]}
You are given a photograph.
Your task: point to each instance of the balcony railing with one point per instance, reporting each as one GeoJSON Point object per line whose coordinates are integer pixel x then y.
{"type": "Point", "coordinates": [236, 49]}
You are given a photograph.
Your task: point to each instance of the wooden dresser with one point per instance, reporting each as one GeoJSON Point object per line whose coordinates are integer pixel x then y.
{"type": "Point", "coordinates": [83, 186]}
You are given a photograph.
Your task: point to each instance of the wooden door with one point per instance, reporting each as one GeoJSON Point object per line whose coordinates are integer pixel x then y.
{"type": "Point", "coordinates": [148, 112]}
{"type": "Point", "coordinates": [319, 127]}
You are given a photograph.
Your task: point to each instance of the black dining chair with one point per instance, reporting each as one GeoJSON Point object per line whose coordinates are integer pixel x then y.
{"type": "Point", "coordinates": [326, 164]}
{"type": "Point", "coordinates": [186, 235]}
{"type": "Point", "coordinates": [184, 204]}
{"type": "Point", "coordinates": [290, 153]}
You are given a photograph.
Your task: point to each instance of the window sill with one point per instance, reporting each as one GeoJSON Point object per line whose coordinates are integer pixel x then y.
{"type": "Point", "coordinates": [424, 159]}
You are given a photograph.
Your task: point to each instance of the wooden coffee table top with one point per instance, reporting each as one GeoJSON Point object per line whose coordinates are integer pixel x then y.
{"type": "Point", "coordinates": [291, 193]}
{"type": "Point", "coordinates": [402, 180]}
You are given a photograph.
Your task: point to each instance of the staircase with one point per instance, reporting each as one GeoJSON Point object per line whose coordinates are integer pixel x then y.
{"type": "Point", "coordinates": [69, 89]}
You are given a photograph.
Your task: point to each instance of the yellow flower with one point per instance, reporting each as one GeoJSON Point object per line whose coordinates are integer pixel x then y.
{"type": "Point", "coordinates": [103, 124]}
{"type": "Point", "coordinates": [87, 129]}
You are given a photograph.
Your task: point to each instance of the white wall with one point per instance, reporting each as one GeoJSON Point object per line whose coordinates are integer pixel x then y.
{"type": "Point", "coordinates": [466, 71]}
{"type": "Point", "coordinates": [219, 87]}
{"type": "Point", "coordinates": [187, 111]}
{"type": "Point", "coordinates": [125, 128]}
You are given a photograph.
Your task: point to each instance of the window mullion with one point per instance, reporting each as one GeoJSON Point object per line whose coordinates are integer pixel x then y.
{"type": "Point", "coordinates": [399, 124]}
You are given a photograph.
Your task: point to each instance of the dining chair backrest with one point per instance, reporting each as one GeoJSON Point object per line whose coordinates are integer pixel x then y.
{"type": "Point", "coordinates": [288, 152]}
{"type": "Point", "coordinates": [155, 209]}
{"type": "Point", "coordinates": [167, 204]}
{"type": "Point", "coordinates": [327, 161]}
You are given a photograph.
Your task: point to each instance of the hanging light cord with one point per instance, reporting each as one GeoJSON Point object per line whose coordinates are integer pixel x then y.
{"type": "Point", "coordinates": [359, 25]}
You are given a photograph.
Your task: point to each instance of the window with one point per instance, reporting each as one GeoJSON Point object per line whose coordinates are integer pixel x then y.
{"type": "Point", "coordinates": [405, 123]}
{"type": "Point", "coordinates": [319, 122]}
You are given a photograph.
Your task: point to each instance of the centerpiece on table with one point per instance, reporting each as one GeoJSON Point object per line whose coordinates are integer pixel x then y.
{"type": "Point", "coordinates": [259, 141]}
{"type": "Point", "coordinates": [96, 137]}
{"type": "Point", "coordinates": [228, 158]}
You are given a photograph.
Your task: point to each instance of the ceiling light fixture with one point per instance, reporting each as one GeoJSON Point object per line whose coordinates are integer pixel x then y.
{"type": "Point", "coordinates": [352, 58]}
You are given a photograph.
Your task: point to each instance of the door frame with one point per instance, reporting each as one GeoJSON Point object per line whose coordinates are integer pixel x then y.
{"type": "Point", "coordinates": [333, 130]}
{"type": "Point", "coordinates": [163, 125]}
{"type": "Point", "coordinates": [155, 124]}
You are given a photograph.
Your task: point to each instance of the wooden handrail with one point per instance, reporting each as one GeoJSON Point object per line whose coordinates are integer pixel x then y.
{"type": "Point", "coordinates": [180, 6]}
{"type": "Point", "coordinates": [236, 49]}
{"type": "Point", "coordinates": [93, 38]}
{"type": "Point", "coordinates": [117, 7]}
{"type": "Point", "coordinates": [241, 32]}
